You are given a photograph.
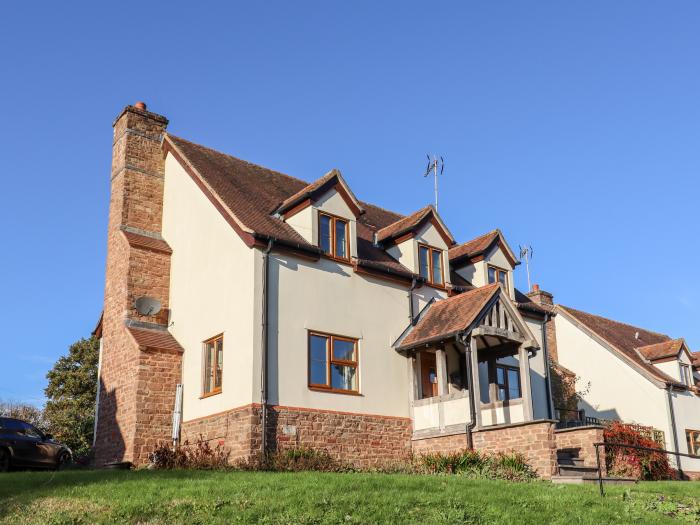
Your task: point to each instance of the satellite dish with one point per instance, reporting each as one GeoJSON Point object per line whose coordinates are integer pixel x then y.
{"type": "Point", "coordinates": [147, 305]}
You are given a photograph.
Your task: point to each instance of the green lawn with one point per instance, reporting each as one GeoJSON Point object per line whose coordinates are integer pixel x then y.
{"type": "Point", "coordinates": [246, 497]}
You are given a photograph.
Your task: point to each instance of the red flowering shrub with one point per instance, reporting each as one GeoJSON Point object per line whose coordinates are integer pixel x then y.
{"type": "Point", "coordinates": [628, 462]}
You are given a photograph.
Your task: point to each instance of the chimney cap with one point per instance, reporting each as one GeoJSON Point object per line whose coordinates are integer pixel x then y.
{"type": "Point", "coordinates": [140, 105]}
{"type": "Point", "coordinates": [535, 287]}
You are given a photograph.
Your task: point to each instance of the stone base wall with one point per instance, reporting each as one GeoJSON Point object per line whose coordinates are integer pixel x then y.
{"type": "Point", "coordinates": [237, 430]}
{"type": "Point", "coordinates": [361, 439]}
{"type": "Point", "coordinates": [443, 444]}
{"type": "Point", "coordinates": [534, 439]}
{"type": "Point", "coordinates": [581, 439]}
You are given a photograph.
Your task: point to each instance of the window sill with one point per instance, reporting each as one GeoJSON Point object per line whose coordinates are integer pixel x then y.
{"type": "Point", "coordinates": [334, 391]}
{"type": "Point", "coordinates": [210, 394]}
{"type": "Point", "coordinates": [441, 287]}
{"type": "Point", "coordinates": [339, 260]}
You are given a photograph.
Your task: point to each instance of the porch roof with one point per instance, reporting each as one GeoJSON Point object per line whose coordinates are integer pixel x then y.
{"type": "Point", "coordinates": [446, 318]}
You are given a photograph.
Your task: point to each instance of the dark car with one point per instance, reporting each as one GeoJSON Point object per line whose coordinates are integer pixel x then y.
{"type": "Point", "coordinates": [24, 445]}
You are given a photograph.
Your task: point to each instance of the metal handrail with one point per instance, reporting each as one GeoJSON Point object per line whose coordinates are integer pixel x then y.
{"type": "Point", "coordinates": [635, 447]}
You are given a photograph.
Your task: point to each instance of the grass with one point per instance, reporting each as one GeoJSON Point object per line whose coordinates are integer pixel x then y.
{"type": "Point", "coordinates": [203, 497]}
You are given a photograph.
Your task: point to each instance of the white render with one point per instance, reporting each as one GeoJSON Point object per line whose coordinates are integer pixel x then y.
{"type": "Point", "coordinates": [621, 390]}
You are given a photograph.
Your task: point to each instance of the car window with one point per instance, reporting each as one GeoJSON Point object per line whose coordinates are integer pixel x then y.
{"type": "Point", "coordinates": [29, 430]}
{"type": "Point", "coordinates": [12, 425]}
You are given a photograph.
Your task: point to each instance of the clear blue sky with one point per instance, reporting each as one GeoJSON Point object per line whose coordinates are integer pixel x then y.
{"type": "Point", "coordinates": [572, 126]}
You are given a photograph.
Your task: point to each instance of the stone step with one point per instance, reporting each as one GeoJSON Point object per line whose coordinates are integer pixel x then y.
{"type": "Point", "coordinates": [577, 480]}
{"type": "Point", "coordinates": [576, 470]}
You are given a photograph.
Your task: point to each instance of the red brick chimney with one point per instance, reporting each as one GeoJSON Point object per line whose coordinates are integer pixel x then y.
{"type": "Point", "coordinates": [546, 300]}
{"type": "Point", "coordinates": [137, 383]}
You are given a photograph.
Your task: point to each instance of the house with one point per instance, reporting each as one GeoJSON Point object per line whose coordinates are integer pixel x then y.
{"type": "Point", "coordinates": [294, 314]}
{"type": "Point", "coordinates": [632, 374]}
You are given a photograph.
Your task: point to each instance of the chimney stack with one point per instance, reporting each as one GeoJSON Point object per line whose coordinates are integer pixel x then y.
{"type": "Point", "coordinates": [136, 383]}
{"type": "Point", "coordinates": [540, 296]}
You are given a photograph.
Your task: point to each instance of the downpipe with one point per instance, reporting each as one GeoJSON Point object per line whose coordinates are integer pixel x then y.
{"type": "Point", "coordinates": [264, 345]}
{"type": "Point", "coordinates": [470, 389]}
{"type": "Point", "coordinates": [674, 432]}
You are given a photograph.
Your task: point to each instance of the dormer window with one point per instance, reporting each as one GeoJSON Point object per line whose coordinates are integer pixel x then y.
{"type": "Point", "coordinates": [496, 275]}
{"type": "Point", "coordinates": [686, 376]}
{"type": "Point", "coordinates": [334, 239]}
{"type": "Point", "coordinates": [430, 264]}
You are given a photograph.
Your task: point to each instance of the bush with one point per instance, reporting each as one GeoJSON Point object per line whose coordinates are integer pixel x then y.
{"type": "Point", "coordinates": [507, 466]}
{"type": "Point", "coordinates": [198, 456]}
{"type": "Point", "coordinates": [294, 460]}
{"type": "Point", "coordinates": [627, 462]}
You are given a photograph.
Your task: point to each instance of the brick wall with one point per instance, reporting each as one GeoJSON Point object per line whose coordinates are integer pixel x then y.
{"type": "Point", "coordinates": [535, 440]}
{"type": "Point", "coordinates": [361, 439]}
{"type": "Point", "coordinates": [444, 444]}
{"type": "Point", "coordinates": [137, 385]}
{"type": "Point", "coordinates": [582, 439]}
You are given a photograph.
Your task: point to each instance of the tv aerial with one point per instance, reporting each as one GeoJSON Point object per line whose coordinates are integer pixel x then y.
{"type": "Point", "coordinates": [147, 305]}
{"type": "Point", "coordinates": [526, 253]}
{"type": "Point", "coordinates": [435, 164]}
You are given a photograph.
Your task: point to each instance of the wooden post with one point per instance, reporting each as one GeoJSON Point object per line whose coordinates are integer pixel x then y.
{"type": "Point", "coordinates": [524, 363]}
{"type": "Point", "coordinates": [441, 362]}
{"type": "Point", "coordinates": [475, 378]}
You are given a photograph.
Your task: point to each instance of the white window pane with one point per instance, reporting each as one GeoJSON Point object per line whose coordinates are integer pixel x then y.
{"type": "Point", "coordinates": [343, 377]}
{"type": "Point", "coordinates": [437, 267]}
{"type": "Point", "coordinates": [423, 262]}
{"type": "Point", "coordinates": [343, 350]}
{"type": "Point", "coordinates": [324, 225]}
{"type": "Point", "coordinates": [492, 275]}
{"type": "Point", "coordinates": [318, 356]}
{"type": "Point", "coordinates": [340, 238]}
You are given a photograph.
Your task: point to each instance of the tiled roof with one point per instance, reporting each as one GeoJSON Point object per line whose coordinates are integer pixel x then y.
{"type": "Point", "coordinates": [662, 350]}
{"type": "Point", "coordinates": [448, 317]}
{"type": "Point", "coordinates": [160, 339]}
{"type": "Point", "coordinates": [403, 225]}
{"type": "Point", "coordinates": [474, 247]}
{"type": "Point", "coordinates": [523, 302]}
{"type": "Point", "coordinates": [253, 193]}
{"type": "Point", "coordinates": [146, 241]}
{"type": "Point", "coordinates": [318, 186]}
{"type": "Point", "coordinates": [696, 359]}
{"type": "Point", "coordinates": [625, 339]}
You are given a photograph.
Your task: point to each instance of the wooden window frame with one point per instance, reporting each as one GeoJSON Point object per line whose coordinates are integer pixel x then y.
{"type": "Point", "coordinates": [497, 270]}
{"type": "Point", "coordinates": [686, 374]}
{"type": "Point", "coordinates": [431, 277]}
{"type": "Point", "coordinates": [334, 218]}
{"type": "Point", "coordinates": [691, 448]}
{"type": "Point", "coordinates": [215, 390]}
{"type": "Point", "coordinates": [506, 385]}
{"type": "Point", "coordinates": [331, 361]}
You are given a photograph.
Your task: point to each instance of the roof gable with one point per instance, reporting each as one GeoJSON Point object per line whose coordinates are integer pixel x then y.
{"type": "Point", "coordinates": [407, 227]}
{"type": "Point", "coordinates": [331, 180]}
{"type": "Point", "coordinates": [623, 339]}
{"type": "Point", "coordinates": [476, 249]}
{"type": "Point", "coordinates": [670, 349]}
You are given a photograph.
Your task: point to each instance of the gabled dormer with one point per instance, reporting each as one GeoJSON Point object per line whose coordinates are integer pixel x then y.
{"type": "Point", "coordinates": [671, 357]}
{"type": "Point", "coordinates": [420, 242]}
{"type": "Point", "coordinates": [325, 214]}
{"type": "Point", "coordinates": [485, 260]}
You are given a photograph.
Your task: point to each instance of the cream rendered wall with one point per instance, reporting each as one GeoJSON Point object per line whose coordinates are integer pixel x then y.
{"type": "Point", "coordinates": [330, 297]}
{"type": "Point", "coordinates": [212, 291]}
{"type": "Point", "coordinates": [406, 253]}
{"type": "Point", "coordinates": [477, 273]}
{"type": "Point", "coordinates": [305, 224]}
{"type": "Point", "coordinates": [671, 368]}
{"type": "Point", "coordinates": [617, 391]}
{"type": "Point", "coordinates": [538, 371]}
{"type": "Point", "coordinates": [686, 408]}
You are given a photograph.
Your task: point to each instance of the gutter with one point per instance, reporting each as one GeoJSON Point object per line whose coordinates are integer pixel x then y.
{"type": "Point", "coordinates": [470, 388]}
{"type": "Point", "coordinates": [674, 431]}
{"type": "Point", "coordinates": [264, 345]}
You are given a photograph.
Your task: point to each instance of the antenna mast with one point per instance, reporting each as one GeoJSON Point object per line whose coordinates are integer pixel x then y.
{"type": "Point", "coordinates": [433, 165]}
{"type": "Point", "coordinates": [526, 253]}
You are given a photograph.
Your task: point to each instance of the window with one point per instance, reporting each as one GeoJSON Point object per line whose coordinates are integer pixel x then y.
{"type": "Point", "coordinates": [213, 365]}
{"type": "Point", "coordinates": [333, 236]}
{"type": "Point", "coordinates": [686, 376]}
{"type": "Point", "coordinates": [496, 275]}
{"type": "Point", "coordinates": [333, 363]}
{"type": "Point", "coordinates": [507, 383]}
{"type": "Point", "coordinates": [30, 431]}
{"type": "Point", "coordinates": [430, 264]}
{"type": "Point", "coordinates": [693, 437]}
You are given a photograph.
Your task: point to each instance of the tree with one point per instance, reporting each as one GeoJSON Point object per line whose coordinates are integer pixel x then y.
{"type": "Point", "coordinates": [70, 406]}
{"type": "Point", "coordinates": [23, 411]}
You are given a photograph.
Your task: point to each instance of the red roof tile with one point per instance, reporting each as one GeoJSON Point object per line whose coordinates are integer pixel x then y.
{"type": "Point", "coordinates": [151, 338]}
{"type": "Point", "coordinates": [403, 225]}
{"type": "Point", "coordinates": [662, 350]}
{"type": "Point", "coordinates": [253, 193]}
{"type": "Point", "coordinates": [145, 241]}
{"type": "Point", "coordinates": [625, 339]}
{"type": "Point", "coordinates": [319, 186]}
{"type": "Point", "coordinates": [448, 317]}
{"type": "Point", "coordinates": [474, 247]}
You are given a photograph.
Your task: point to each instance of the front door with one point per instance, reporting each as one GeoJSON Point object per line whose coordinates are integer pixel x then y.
{"type": "Point", "coordinates": [428, 374]}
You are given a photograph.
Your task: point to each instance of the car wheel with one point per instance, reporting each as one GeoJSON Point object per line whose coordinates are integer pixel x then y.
{"type": "Point", "coordinates": [4, 460]}
{"type": "Point", "coordinates": [64, 460]}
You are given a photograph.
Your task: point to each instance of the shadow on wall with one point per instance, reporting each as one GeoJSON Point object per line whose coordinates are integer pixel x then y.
{"type": "Point", "coordinates": [600, 414]}
{"type": "Point", "coordinates": [109, 444]}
